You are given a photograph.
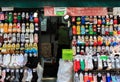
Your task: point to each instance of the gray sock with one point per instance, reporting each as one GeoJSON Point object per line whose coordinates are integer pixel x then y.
{"type": "Point", "coordinates": [17, 76]}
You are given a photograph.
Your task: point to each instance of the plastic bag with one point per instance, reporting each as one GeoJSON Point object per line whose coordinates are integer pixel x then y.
{"type": "Point", "coordinates": [65, 71]}
{"type": "Point", "coordinates": [39, 73]}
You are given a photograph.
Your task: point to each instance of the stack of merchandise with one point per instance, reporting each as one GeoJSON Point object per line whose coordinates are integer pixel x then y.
{"type": "Point", "coordinates": [96, 46]}
{"type": "Point", "coordinates": [19, 46]}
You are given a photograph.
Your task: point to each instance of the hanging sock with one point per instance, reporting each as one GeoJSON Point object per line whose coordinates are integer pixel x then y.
{"type": "Point", "coordinates": [75, 66]}
{"type": "Point", "coordinates": [100, 66]}
{"type": "Point", "coordinates": [83, 20]}
{"type": "Point", "coordinates": [95, 62]}
{"type": "Point", "coordinates": [35, 76]}
{"type": "Point", "coordinates": [114, 79]}
{"type": "Point", "coordinates": [86, 77]}
{"type": "Point", "coordinates": [21, 75]}
{"type": "Point", "coordinates": [15, 17]}
{"type": "Point", "coordinates": [17, 76]}
{"type": "Point", "coordinates": [99, 77]}
{"type": "Point", "coordinates": [29, 77]}
{"type": "Point", "coordinates": [94, 78]}
{"type": "Point", "coordinates": [118, 78]}
{"type": "Point", "coordinates": [76, 78]}
{"type": "Point", "coordinates": [109, 64]}
{"type": "Point", "coordinates": [81, 77]}
{"type": "Point", "coordinates": [25, 75]}
{"type": "Point", "coordinates": [74, 30]}
{"type": "Point", "coordinates": [19, 17]}
{"type": "Point", "coordinates": [3, 76]}
{"type": "Point", "coordinates": [18, 27]}
{"type": "Point", "coordinates": [90, 77]}
{"type": "Point", "coordinates": [108, 77]}
{"type": "Point", "coordinates": [7, 75]}
{"type": "Point", "coordinates": [82, 64]}
{"type": "Point", "coordinates": [23, 28]}
{"type": "Point", "coordinates": [12, 75]}
{"type": "Point", "coordinates": [115, 20]}
{"type": "Point", "coordinates": [103, 78]}
{"type": "Point", "coordinates": [86, 64]}
{"type": "Point", "coordinates": [78, 29]}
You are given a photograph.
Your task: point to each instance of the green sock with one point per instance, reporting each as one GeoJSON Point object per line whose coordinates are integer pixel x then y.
{"type": "Point", "coordinates": [82, 63]}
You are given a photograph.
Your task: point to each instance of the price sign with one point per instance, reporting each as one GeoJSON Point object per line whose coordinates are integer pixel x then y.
{"type": "Point", "coordinates": [67, 54]}
{"type": "Point", "coordinates": [60, 11]}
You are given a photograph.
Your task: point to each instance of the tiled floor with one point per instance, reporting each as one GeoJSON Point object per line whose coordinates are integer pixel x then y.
{"type": "Point", "coordinates": [49, 79]}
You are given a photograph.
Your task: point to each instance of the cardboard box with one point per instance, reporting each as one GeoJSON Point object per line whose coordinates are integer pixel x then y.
{"type": "Point", "coordinates": [46, 50]}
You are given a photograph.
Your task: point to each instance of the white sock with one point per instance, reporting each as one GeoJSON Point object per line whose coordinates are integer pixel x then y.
{"type": "Point", "coordinates": [23, 27]}
{"type": "Point", "coordinates": [81, 77]}
{"type": "Point", "coordinates": [25, 58]}
{"type": "Point", "coordinates": [27, 28]}
{"type": "Point", "coordinates": [27, 37]}
{"type": "Point", "coordinates": [31, 38]}
{"type": "Point", "coordinates": [11, 65]}
{"type": "Point", "coordinates": [18, 37]}
{"type": "Point", "coordinates": [22, 37]}
{"type": "Point", "coordinates": [31, 27]}
{"type": "Point", "coordinates": [1, 59]}
{"type": "Point", "coordinates": [14, 37]}
{"type": "Point", "coordinates": [29, 78]}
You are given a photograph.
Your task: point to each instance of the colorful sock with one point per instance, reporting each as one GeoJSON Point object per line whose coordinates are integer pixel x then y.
{"type": "Point", "coordinates": [86, 77]}
{"type": "Point", "coordinates": [113, 78]}
{"type": "Point", "coordinates": [108, 77]}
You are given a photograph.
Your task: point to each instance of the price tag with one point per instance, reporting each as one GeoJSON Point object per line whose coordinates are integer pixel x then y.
{"type": "Point", "coordinates": [17, 70]}
{"type": "Point", "coordinates": [21, 70]}
{"type": "Point", "coordinates": [67, 54]}
{"type": "Point", "coordinates": [103, 57]}
{"type": "Point", "coordinates": [60, 11]}
{"type": "Point", "coordinates": [12, 70]}
{"type": "Point", "coordinates": [7, 70]}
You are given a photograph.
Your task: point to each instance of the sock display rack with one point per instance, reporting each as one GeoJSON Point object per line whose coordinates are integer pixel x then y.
{"type": "Point", "coordinates": [96, 48]}
{"type": "Point", "coordinates": [19, 36]}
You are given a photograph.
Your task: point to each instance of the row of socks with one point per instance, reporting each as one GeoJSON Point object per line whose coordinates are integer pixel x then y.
{"type": "Point", "coordinates": [95, 40]}
{"type": "Point", "coordinates": [31, 48]}
{"type": "Point", "coordinates": [34, 62]}
{"type": "Point", "coordinates": [14, 47]}
{"type": "Point", "coordinates": [96, 29]}
{"type": "Point", "coordinates": [18, 28]}
{"type": "Point", "coordinates": [87, 63]}
{"type": "Point", "coordinates": [97, 77]}
{"type": "Point", "coordinates": [13, 61]}
{"type": "Point", "coordinates": [18, 75]}
{"type": "Point", "coordinates": [91, 50]}
{"type": "Point", "coordinates": [21, 17]}
{"type": "Point", "coordinates": [106, 20]}
{"type": "Point", "coordinates": [19, 37]}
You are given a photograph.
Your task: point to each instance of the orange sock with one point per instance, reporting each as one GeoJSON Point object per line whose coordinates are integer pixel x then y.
{"type": "Point", "coordinates": [14, 27]}
{"type": "Point", "coordinates": [5, 27]}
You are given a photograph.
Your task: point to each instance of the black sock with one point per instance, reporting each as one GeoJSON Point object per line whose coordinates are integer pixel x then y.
{"type": "Point", "coordinates": [21, 75]}
{"type": "Point", "coordinates": [35, 76]}
{"type": "Point", "coordinates": [8, 75]}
